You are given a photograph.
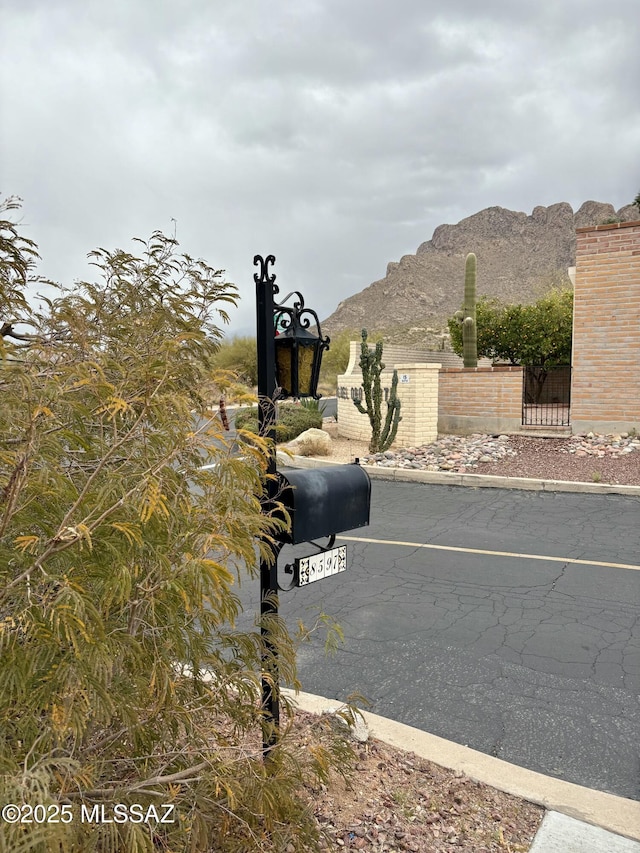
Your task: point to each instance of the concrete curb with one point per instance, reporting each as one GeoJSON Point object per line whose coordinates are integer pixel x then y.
{"type": "Point", "coordinates": [475, 481]}
{"type": "Point", "coordinates": [607, 811]}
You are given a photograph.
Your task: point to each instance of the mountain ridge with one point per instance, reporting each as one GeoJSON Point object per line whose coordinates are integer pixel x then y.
{"type": "Point", "coordinates": [517, 253]}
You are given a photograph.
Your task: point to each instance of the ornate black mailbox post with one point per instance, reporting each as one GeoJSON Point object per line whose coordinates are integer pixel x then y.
{"type": "Point", "coordinates": [288, 366]}
{"type": "Point", "coordinates": [321, 502]}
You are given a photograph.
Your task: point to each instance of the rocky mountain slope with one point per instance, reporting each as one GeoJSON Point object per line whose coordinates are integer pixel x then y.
{"type": "Point", "coordinates": [516, 255]}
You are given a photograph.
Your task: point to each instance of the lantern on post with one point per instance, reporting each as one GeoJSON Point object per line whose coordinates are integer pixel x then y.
{"type": "Point", "coordinates": [298, 351]}
{"type": "Point", "coordinates": [289, 357]}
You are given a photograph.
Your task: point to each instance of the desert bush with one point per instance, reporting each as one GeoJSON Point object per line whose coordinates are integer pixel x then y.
{"type": "Point", "coordinates": [313, 405]}
{"type": "Point", "coordinates": [291, 420]}
{"type": "Point", "coordinates": [336, 358]}
{"type": "Point", "coordinates": [240, 356]}
{"type": "Point", "coordinates": [123, 678]}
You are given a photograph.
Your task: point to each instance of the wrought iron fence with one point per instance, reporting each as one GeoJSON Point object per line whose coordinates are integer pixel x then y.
{"type": "Point", "coordinates": [546, 395]}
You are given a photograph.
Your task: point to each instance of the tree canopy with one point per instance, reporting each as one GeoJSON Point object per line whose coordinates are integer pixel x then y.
{"type": "Point", "coordinates": [535, 334]}
{"type": "Point", "coordinates": [123, 678]}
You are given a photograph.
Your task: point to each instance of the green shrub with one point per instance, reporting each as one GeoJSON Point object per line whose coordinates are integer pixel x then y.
{"type": "Point", "coordinates": [239, 355]}
{"type": "Point", "coordinates": [336, 358]}
{"type": "Point", "coordinates": [313, 405]}
{"type": "Point", "coordinates": [246, 415]}
{"type": "Point", "coordinates": [291, 421]}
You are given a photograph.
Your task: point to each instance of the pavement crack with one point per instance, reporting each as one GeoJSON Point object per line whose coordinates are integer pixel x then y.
{"type": "Point", "coordinates": [563, 569]}
{"type": "Point", "coordinates": [496, 747]}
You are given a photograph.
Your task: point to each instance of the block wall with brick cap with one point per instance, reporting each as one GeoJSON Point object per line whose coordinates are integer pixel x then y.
{"type": "Point", "coordinates": [418, 395]}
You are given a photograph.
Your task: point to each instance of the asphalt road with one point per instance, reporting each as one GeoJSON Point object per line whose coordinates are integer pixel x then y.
{"type": "Point", "coordinates": [531, 659]}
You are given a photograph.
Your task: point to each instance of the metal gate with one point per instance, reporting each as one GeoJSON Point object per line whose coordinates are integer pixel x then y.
{"type": "Point", "coordinates": [546, 396]}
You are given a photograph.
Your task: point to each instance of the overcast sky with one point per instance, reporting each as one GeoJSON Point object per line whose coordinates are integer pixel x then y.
{"type": "Point", "coordinates": [334, 134]}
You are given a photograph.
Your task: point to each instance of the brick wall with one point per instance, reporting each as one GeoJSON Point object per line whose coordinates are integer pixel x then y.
{"type": "Point", "coordinates": [605, 391]}
{"type": "Point", "coordinates": [481, 399]}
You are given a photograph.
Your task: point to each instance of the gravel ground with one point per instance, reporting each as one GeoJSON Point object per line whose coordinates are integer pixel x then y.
{"type": "Point", "coordinates": [550, 459]}
{"type": "Point", "coordinates": [397, 801]}
{"type": "Point", "coordinates": [587, 459]}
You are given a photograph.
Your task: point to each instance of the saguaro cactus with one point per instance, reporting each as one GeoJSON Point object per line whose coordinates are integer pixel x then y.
{"type": "Point", "coordinates": [382, 437]}
{"type": "Point", "coordinates": [467, 316]}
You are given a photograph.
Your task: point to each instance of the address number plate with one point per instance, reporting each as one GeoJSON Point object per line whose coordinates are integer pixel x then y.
{"type": "Point", "coordinates": [322, 565]}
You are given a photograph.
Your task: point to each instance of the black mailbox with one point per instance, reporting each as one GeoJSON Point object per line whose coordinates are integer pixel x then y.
{"type": "Point", "coordinates": [324, 501]}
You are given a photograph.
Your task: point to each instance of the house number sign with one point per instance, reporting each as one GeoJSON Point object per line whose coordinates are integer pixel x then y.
{"type": "Point", "coordinates": [322, 565]}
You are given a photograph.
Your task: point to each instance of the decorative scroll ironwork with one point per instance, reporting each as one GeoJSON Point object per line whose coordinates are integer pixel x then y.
{"type": "Point", "coordinates": [287, 317]}
{"type": "Point", "coordinates": [262, 277]}
{"type": "Point", "coordinates": [293, 317]}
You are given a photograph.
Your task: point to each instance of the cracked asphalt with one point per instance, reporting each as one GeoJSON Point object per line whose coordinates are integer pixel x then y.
{"type": "Point", "coordinates": [530, 660]}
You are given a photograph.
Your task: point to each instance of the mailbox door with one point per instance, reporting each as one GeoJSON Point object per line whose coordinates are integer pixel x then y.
{"type": "Point", "coordinates": [324, 501]}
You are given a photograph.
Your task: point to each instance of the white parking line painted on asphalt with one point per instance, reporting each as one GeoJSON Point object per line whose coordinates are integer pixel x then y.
{"type": "Point", "coordinates": [544, 557]}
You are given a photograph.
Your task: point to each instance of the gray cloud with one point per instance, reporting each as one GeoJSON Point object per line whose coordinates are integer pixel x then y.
{"type": "Point", "coordinates": [336, 135]}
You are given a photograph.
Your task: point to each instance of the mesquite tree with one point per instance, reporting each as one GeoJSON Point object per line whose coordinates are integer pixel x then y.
{"type": "Point", "coordinates": [382, 436]}
{"type": "Point", "coordinates": [122, 676]}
